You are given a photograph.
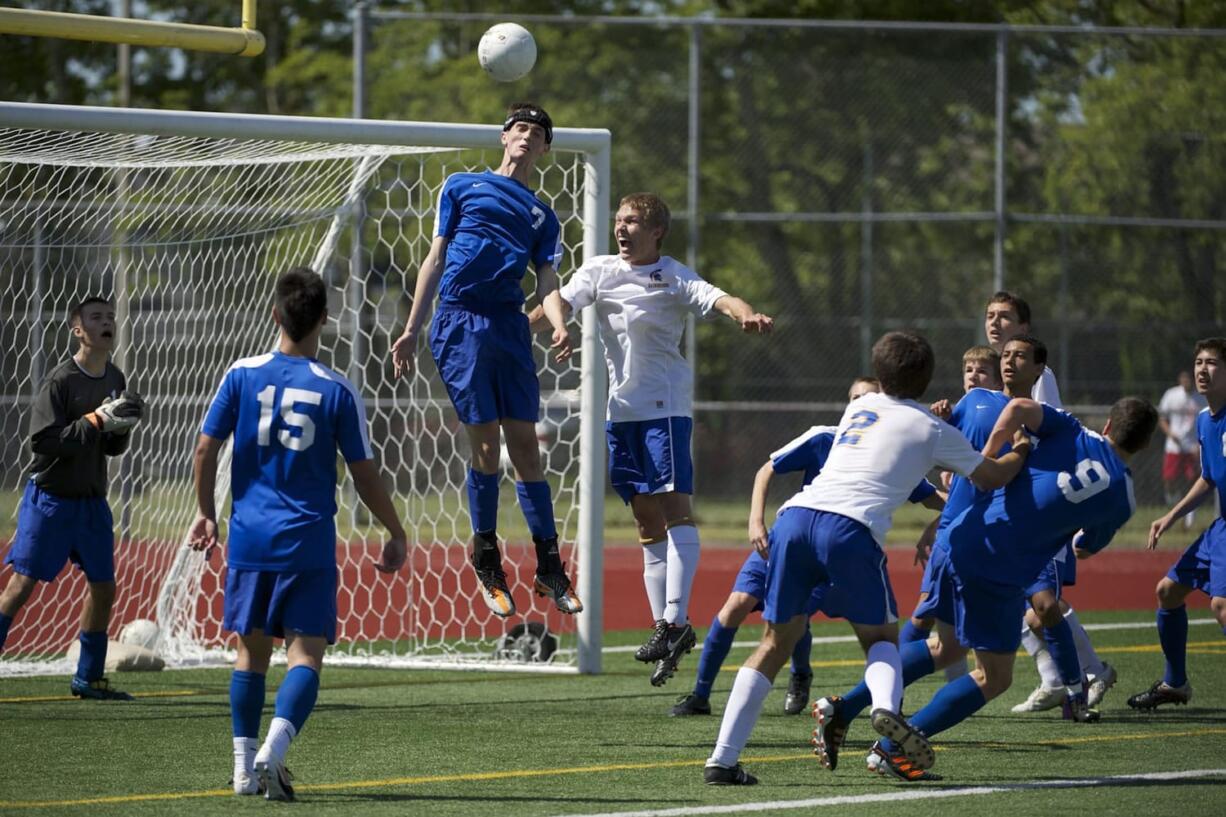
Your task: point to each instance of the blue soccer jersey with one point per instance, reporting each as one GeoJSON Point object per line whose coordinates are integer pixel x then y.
{"type": "Point", "coordinates": [975, 416]}
{"type": "Point", "coordinates": [1073, 480]}
{"type": "Point", "coordinates": [1211, 432]}
{"type": "Point", "coordinates": [495, 226]}
{"type": "Point", "coordinates": [288, 415]}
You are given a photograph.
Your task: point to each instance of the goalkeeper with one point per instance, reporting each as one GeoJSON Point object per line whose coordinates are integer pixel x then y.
{"type": "Point", "coordinates": [81, 416]}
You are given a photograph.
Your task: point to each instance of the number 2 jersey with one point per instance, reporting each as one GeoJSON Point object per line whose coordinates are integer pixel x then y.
{"type": "Point", "coordinates": [1072, 481]}
{"type": "Point", "coordinates": [288, 415]}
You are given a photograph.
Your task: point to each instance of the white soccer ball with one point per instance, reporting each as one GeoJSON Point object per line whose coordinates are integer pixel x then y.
{"type": "Point", "coordinates": [140, 633]}
{"type": "Point", "coordinates": [507, 51]}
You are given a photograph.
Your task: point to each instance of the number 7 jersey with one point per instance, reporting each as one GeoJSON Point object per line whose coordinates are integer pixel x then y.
{"type": "Point", "coordinates": [288, 415]}
{"type": "Point", "coordinates": [1073, 481]}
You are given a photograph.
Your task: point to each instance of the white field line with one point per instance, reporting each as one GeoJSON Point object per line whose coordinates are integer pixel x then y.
{"type": "Point", "coordinates": [848, 639]}
{"type": "Point", "coordinates": [900, 795]}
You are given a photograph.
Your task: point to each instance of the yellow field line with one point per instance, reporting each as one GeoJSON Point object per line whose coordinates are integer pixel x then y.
{"type": "Point", "coordinates": [529, 773]}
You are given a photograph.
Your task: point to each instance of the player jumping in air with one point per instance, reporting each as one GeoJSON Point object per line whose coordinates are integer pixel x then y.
{"type": "Point", "coordinates": [490, 226]}
{"type": "Point", "coordinates": [641, 300]}
{"type": "Point", "coordinates": [830, 536]}
{"type": "Point", "coordinates": [289, 415]}
{"type": "Point", "coordinates": [1203, 565]}
{"type": "Point", "coordinates": [81, 416]}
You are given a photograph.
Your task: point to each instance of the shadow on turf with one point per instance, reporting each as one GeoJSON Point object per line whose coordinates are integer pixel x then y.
{"type": "Point", "coordinates": [502, 798]}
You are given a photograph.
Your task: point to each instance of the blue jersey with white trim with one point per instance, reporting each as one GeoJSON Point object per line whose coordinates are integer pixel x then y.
{"type": "Point", "coordinates": [1072, 481]}
{"type": "Point", "coordinates": [975, 416]}
{"type": "Point", "coordinates": [495, 226]}
{"type": "Point", "coordinates": [288, 415]}
{"type": "Point", "coordinates": [1211, 432]}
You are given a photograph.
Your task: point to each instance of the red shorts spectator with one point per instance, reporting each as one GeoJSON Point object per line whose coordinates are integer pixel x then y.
{"type": "Point", "coordinates": [1179, 465]}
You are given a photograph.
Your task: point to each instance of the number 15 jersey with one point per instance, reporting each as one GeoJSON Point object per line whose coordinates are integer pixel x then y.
{"type": "Point", "coordinates": [288, 415]}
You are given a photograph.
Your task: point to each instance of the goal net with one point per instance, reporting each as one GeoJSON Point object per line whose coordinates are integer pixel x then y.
{"type": "Point", "coordinates": [185, 220]}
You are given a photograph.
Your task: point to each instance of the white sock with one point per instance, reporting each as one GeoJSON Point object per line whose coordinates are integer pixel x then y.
{"type": "Point", "coordinates": [957, 669]}
{"type": "Point", "coordinates": [1090, 662]}
{"type": "Point", "coordinates": [280, 733]}
{"type": "Point", "coordinates": [655, 577]}
{"type": "Point", "coordinates": [244, 755]}
{"type": "Point", "coordinates": [1049, 673]}
{"type": "Point", "coordinates": [749, 692]}
{"type": "Point", "coordinates": [682, 565]}
{"type": "Point", "coordinates": [883, 675]}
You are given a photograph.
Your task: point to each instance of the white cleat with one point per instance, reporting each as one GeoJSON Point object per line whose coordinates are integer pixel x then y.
{"type": "Point", "coordinates": [274, 780]}
{"type": "Point", "coordinates": [1101, 683]}
{"type": "Point", "coordinates": [1042, 699]}
{"type": "Point", "coordinates": [246, 783]}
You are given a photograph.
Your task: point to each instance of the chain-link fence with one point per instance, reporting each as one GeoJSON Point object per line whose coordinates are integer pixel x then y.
{"type": "Point", "coordinates": [850, 178]}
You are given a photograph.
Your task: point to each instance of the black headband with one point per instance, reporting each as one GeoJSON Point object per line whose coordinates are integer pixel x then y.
{"type": "Point", "coordinates": [534, 115]}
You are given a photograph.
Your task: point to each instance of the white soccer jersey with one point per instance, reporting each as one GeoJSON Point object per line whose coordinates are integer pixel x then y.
{"type": "Point", "coordinates": [641, 314]}
{"type": "Point", "coordinates": [1180, 410]}
{"type": "Point", "coordinates": [1045, 389]}
{"type": "Point", "coordinates": [883, 448]}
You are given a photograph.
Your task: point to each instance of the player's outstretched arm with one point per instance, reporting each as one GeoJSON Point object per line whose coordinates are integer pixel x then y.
{"type": "Point", "coordinates": [374, 496]}
{"type": "Point", "coordinates": [1021, 412]}
{"type": "Point", "coordinates": [552, 307]}
{"type": "Point", "coordinates": [741, 312]}
{"type": "Point", "coordinates": [1200, 489]}
{"type": "Point", "coordinates": [757, 509]}
{"type": "Point", "coordinates": [203, 533]}
{"type": "Point", "coordinates": [404, 350]}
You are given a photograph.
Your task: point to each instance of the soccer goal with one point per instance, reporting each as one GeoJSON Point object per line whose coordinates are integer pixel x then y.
{"type": "Point", "coordinates": [186, 219]}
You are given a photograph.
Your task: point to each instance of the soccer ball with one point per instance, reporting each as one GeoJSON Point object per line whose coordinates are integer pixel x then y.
{"type": "Point", "coordinates": [507, 52]}
{"type": "Point", "coordinates": [140, 633]}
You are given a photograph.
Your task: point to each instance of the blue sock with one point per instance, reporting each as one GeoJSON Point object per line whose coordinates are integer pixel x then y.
{"type": "Point", "coordinates": [483, 501]}
{"type": "Point", "coordinates": [953, 703]}
{"type": "Point", "coordinates": [910, 632]}
{"type": "Point", "coordinates": [296, 697]}
{"type": "Point", "coordinates": [1064, 651]}
{"type": "Point", "coordinates": [5, 622]}
{"type": "Point", "coordinates": [92, 662]}
{"type": "Point", "coordinates": [916, 663]}
{"type": "Point", "coordinates": [537, 504]}
{"type": "Point", "coordinates": [800, 653]}
{"type": "Point", "coordinates": [246, 703]}
{"type": "Point", "coordinates": [714, 650]}
{"type": "Point", "coordinates": [1173, 636]}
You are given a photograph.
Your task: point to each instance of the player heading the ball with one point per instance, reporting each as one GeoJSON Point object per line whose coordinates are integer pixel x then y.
{"type": "Point", "coordinates": [490, 227]}
{"type": "Point", "coordinates": [288, 414]}
{"type": "Point", "coordinates": [81, 415]}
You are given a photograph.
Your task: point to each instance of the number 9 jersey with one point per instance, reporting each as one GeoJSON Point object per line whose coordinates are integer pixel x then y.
{"type": "Point", "coordinates": [288, 415]}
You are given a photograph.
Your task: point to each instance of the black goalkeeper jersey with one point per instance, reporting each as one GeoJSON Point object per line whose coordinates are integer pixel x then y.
{"type": "Point", "coordinates": [68, 453]}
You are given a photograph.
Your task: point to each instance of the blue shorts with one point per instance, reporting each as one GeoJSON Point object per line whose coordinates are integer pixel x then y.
{"type": "Point", "coordinates": [987, 614]}
{"type": "Point", "coordinates": [650, 456]}
{"type": "Point", "coordinates": [1051, 579]}
{"type": "Point", "coordinates": [1068, 568]}
{"type": "Point", "coordinates": [301, 602]}
{"type": "Point", "coordinates": [938, 583]}
{"type": "Point", "coordinates": [486, 364]}
{"type": "Point", "coordinates": [751, 580]}
{"type": "Point", "coordinates": [818, 550]}
{"type": "Point", "coordinates": [1203, 565]}
{"type": "Point", "coordinates": [52, 529]}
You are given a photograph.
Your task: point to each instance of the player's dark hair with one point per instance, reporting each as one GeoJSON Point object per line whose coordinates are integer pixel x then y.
{"type": "Point", "coordinates": [1039, 347]}
{"type": "Point", "coordinates": [903, 362]}
{"type": "Point", "coordinates": [1016, 302]}
{"type": "Point", "coordinates": [1217, 345]}
{"type": "Point", "coordinates": [872, 381]}
{"type": "Point", "coordinates": [74, 314]}
{"type": "Point", "coordinates": [1133, 421]}
{"type": "Point", "coordinates": [301, 300]}
{"type": "Point", "coordinates": [651, 207]}
{"type": "Point", "coordinates": [529, 112]}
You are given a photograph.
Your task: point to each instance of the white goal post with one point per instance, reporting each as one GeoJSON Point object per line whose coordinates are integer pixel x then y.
{"type": "Point", "coordinates": [186, 219]}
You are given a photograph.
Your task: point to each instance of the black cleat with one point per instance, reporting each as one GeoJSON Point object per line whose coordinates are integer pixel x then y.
{"type": "Point", "coordinates": [1077, 709]}
{"type": "Point", "coordinates": [723, 776]}
{"type": "Point", "coordinates": [653, 649]}
{"type": "Point", "coordinates": [487, 564]}
{"type": "Point", "coordinates": [275, 780]}
{"type": "Point", "coordinates": [831, 730]}
{"type": "Point", "coordinates": [691, 705]}
{"type": "Point", "coordinates": [798, 693]}
{"type": "Point", "coordinates": [557, 587]}
{"type": "Point", "coordinates": [910, 742]}
{"type": "Point", "coordinates": [897, 766]}
{"type": "Point", "coordinates": [1161, 693]}
{"type": "Point", "coordinates": [99, 690]}
{"type": "Point", "coordinates": [677, 642]}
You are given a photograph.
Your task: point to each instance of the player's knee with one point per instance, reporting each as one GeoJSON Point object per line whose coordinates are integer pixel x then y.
{"type": "Point", "coordinates": [736, 609]}
{"type": "Point", "coordinates": [18, 591]}
{"type": "Point", "coordinates": [1218, 605]}
{"type": "Point", "coordinates": [1170, 594]}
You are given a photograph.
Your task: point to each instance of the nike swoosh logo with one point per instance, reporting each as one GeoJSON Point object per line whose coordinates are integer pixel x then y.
{"type": "Point", "coordinates": [478, 184]}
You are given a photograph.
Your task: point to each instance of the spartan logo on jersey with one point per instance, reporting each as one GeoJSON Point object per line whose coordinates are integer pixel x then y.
{"type": "Point", "coordinates": [538, 217]}
{"type": "Point", "coordinates": [657, 280]}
